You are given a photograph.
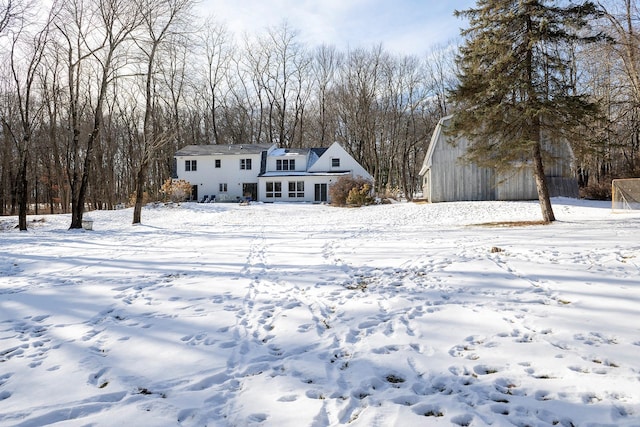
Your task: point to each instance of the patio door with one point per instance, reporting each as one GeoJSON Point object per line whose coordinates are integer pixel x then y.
{"type": "Point", "coordinates": [320, 193]}
{"type": "Point", "coordinates": [250, 189]}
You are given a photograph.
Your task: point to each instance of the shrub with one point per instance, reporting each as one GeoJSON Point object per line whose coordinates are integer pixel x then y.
{"type": "Point", "coordinates": [597, 191]}
{"type": "Point", "coordinates": [351, 191]}
{"type": "Point", "coordinates": [394, 193]}
{"type": "Point", "coordinates": [360, 196]}
{"type": "Point", "coordinates": [176, 190]}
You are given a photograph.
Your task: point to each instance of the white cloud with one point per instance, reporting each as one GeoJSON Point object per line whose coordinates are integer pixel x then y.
{"type": "Point", "coordinates": [402, 26]}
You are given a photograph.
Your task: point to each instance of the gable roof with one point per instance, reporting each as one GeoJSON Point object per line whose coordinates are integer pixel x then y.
{"type": "Point", "coordinates": [435, 137]}
{"type": "Point", "coordinates": [314, 155]}
{"type": "Point", "coordinates": [222, 150]}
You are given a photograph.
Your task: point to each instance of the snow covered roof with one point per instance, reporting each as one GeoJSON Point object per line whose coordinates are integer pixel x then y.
{"type": "Point", "coordinates": [221, 150]}
{"type": "Point", "coordinates": [281, 152]}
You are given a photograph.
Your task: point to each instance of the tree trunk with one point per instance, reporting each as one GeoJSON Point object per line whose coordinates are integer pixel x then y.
{"type": "Point", "coordinates": [78, 199]}
{"type": "Point", "coordinates": [140, 180]}
{"type": "Point", "coordinates": [22, 190]}
{"type": "Point", "coordinates": [77, 210]}
{"type": "Point", "coordinates": [541, 185]}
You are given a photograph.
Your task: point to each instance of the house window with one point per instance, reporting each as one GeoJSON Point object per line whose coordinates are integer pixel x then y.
{"type": "Point", "coordinates": [296, 188]}
{"type": "Point", "coordinates": [190, 165]}
{"type": "Point", "coordinates": [223, 187]}
{"type": "Point", "coordinates": [335, 163]}
{"type": "Point", "coordinates": [245, 164]}
{"type": "Point", "coordinates": [218, 163]}
{"type": "Point", "coordinates": [286, 165]}
{"type": "Point", "coordinates": [274, 189]}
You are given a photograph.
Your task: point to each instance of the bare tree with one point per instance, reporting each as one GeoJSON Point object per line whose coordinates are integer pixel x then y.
{"type": "Point", "coordinates": [160, 18]}
{"type": "Point", "coordinates": [623, 103]}
{"type": "Point", "coordinates": [242, 115]}
{"type": "Point", "coordinates": [441, 77]}
{"type": "Point", "coordinates": [407, 112]}
{"type": "Point", "coordinates": [623, 16]}
{"type": "Point", "coordinates": [218, 51]}
{"type": "Point", "coordinates": [51, 155]}
{"type": "Point", "coordinates": [26, 54]}
{"type": "Point", "coordinates": [12, 12]}
{"type": "Point", "coordinates": [92, 32]}
{"type": "Point", "coordinates": [357, 98]}
{"type": "Point", "coordinates": [279, 66]}
{"type": "Point", "coordinates": [325, 68]}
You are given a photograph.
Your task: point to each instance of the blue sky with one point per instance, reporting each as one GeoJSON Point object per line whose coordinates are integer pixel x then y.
{"type": "Point", "coordinates": [402, 26]}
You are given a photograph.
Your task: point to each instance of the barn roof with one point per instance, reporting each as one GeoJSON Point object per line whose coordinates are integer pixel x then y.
{"type": "Point", "coordinates": [426, 164]}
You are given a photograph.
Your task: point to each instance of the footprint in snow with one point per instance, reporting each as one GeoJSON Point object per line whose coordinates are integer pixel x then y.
{"type": "Point", "coordinates": [429, 410]}
{"type": "Point", "coordinates": [258, 417]}
{"type": "Point", "coordinates": [11, 352]}
{"type": "Point", "coordinates": [288, 398]}
{"type": "Point", "coordinates": [485, 369]}
{"type": "Point", "coordinates": [98, 379]}
{"type": "Point", "coordinates": [210, 381]}
{"type": "Point", "coordinates": [186, 414]}
{"type": "Point", "coordinates": [462, 420]}
{"type": "Point", "coordinates": [305, 328]}
{"type": "Point", "coordinates": [388, 349]}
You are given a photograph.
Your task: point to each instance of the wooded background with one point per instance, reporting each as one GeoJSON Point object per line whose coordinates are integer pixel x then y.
{"type": "Point", "coordinates": [97, 95]}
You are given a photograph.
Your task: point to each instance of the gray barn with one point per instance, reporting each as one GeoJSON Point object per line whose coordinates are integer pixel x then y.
{"type": "Point", "coordinates": [446, 177]}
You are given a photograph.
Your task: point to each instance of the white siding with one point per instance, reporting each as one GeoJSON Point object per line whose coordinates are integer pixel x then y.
{"type": "Point", "coordinates": [347, 163]}
{"type": "Point", "coordinates": [208, 178]}
{"type": "Point", "coordinates": [309, 187]}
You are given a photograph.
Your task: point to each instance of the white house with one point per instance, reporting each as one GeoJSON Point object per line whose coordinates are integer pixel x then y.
{"type": "Point", "coordinates": [264, 172]}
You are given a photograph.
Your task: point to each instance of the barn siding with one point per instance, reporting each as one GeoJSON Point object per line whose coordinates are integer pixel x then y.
{"type": "Point", "coordinates": [446, 177]}
{"type": "Point", "coordinates": [451, 179]}
{"type": "Point", "coordinates": [516, 185]}
{"type": "Point", "coordinates": [561, 186]}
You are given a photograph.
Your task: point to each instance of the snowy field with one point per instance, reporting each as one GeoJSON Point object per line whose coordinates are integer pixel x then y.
{"type": "Point", "coordinates": [310, 315]}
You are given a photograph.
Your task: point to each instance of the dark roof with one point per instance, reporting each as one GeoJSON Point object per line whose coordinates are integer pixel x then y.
{"type": "Point", "coordinates": [221, 150]}
{"type": "Point", "coordinates": [319, 151]}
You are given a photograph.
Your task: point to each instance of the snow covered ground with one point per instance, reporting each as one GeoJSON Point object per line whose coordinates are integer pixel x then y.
{"type": "Point", "coordinates": [310, 315]}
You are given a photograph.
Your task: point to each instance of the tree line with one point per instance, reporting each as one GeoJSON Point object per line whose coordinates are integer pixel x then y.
{"type": "Point", "coordinates": [97, 95]}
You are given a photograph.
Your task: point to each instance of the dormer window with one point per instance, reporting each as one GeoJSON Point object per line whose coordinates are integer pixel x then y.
{"type": "Point", "coordinates": [285, 164]}
{"type": "Point", "coordinates": [335, 162]}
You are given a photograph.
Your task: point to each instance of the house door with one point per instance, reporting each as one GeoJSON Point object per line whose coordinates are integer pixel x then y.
{"type": "Point", "coordinates": [320, 193]}
{"type": "Point", "coordinates": [194, 193]}
{"type": "Point", "coordinates": [250, 189]}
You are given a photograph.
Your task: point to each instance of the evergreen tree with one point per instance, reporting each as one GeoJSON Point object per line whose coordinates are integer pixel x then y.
{"type": "Point", "coordinates": [515, 86]}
